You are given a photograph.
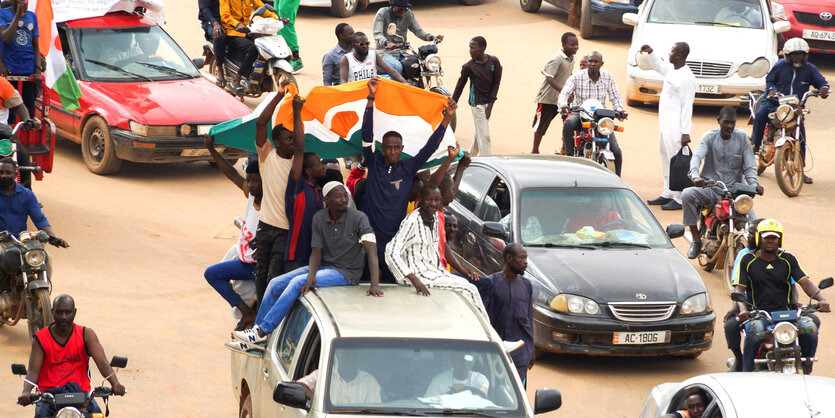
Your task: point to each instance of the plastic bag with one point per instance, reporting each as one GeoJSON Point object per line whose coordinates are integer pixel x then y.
{"type": "Point", "coordinates": [267, 26]}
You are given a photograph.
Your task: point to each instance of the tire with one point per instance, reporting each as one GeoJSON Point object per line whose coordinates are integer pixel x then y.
{"type": "Point", "coordinates": [730, 257]}
{"type": "Point", "coordinates": [246, 407]}
{"type": "Point", "coordinates": [38, 311]}
{"type": "Point", "coordinates": [281, 75]}
{"type": "Point", "coordinates": [586, 28]}
{"type": "Point", "coordinates": [470, 2]}
{"type": "Point", "coordinates": [709, 266]}
{"type": "Point", "coordinates": [97, 148]}
{"type": "Point", "coordinates": [761, 163]}
{"type": "Point", "coordinates": [530, 6]}
{"type": "Point", "coordinates": [603, 161]}
{"type": "Point", "coordinates": [760, 166]}
{"type": "Point", "coordinates": [343, 8]}
{"type": "Point", "coordinates": [788, 169]}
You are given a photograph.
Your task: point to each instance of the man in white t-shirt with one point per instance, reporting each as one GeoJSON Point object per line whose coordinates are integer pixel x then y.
{"type": "Point", "coordinates": [243, 266]}
{"type": "Point", "coordinates": [458, 378]}
{"type": "Point", "coordinates": [362, 63]}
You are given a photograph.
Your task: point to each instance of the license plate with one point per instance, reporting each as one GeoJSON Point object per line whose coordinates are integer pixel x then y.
{"type": "Point", "coordinates": [203, 129]}
{"type": "Point", "coordinates": [639, 338]}
{"type": "Point", "coordinates": [709, 88]}
{"type": "Point", "coordinates": [820, 35]}
{"type": "Point", "coordinates": [199, 152]}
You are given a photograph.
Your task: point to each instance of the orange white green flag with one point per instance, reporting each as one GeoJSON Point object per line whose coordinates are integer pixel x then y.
{"type": "Point", "coordinates": [58, 75]}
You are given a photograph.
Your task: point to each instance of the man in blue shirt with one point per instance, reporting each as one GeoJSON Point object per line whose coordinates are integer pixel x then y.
{"type": "Point", "coordinates": [18, 203]}
{"type": "Point", "coordinates": [791, 76]}
{"type": "Point", "coordinates": [389, 180]}
{"type": "Point", "coordinates": [19, 32]}
{"type": "Point", "coordinates": [330, 62]}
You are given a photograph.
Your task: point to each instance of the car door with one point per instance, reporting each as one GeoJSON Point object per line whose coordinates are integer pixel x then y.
{"type": "Point", "coordinates": [494, 207]}
{"type": "Point", "coordinates": [280, 360]}
{"type": "Point", "coordinates": [67, 122]}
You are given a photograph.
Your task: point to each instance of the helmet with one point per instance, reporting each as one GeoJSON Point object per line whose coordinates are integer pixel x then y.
{"type": "Point", "coordinates": [769, 225]}
{"type": "Point", "coordinates": [408, 3]}
{"type": "Point", "coordinates": [795, 45]}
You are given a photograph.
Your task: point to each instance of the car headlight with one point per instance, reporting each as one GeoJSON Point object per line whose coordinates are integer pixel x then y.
{"type": "Point", "coordinates": [779, 11]}
{"type": "Point", "coordinates": [150, 130]}
{"type": "Point", "coordinates": [138, 128]}
{"type": "Point", "coordinates": [760, 67]}
{"type": "Point", "coordinates": [68, 412]}
{"type": "Point", "coordinates": [574, 304]}
{"type": "Point", "coordinates": [785, 333]}
{"type": "Point", "coordinates": [784, 113]}
{"type": "Point", "coordinates": [743, 204]}
{"type": "Point", "coordinates": [695, 304]}
{"type": "Point", "coordinates": [605, 126]}
{"type": "Point", "coordinates": [433, 62]}
{"type": "Point", "coordinates": [35, 257]}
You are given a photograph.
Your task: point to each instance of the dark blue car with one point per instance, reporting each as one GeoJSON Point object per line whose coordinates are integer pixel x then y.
{"type": "Point", "coordinates": [593, 13]}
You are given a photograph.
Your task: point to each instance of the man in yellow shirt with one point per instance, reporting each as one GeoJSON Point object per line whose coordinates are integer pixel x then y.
{"type": "Point", "coordinates": [236, 15]}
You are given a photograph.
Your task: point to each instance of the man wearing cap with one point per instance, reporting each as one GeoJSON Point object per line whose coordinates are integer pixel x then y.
{"type": "Point", "coordinates": [340, 235]}
{"type": "Point", "coordinates": [458, 378]}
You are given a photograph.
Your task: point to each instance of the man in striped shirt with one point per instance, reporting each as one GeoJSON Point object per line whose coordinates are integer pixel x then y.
{"type": "Point", "coordinates": [413, 257]}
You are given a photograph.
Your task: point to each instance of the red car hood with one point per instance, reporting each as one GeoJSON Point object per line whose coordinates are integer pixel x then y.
{"type": "Point", "coordinates": [162, 102]}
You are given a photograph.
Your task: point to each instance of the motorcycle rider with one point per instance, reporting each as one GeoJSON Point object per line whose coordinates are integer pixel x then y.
{"type": "Point", "coordinates": [214, 32]}
{"type": "Point", "coordinates": [766, 277]}
{"type": "Point", "coordinates": [728, 158]}
{"type": "Point", "coordinates": [235, 16]}
{"type": "Point", "coordinates": [591, 83]}
{"type": "Point", "coordinates": [791, 75]}
{"type": "Point", "coordinates": [59, 360]}
{"type": "Point", "coordinates": [398, 14]}
{"type": "Point", "coordinates": [17, 204]}
{"type": "Point", "coordinates": [361, 64]}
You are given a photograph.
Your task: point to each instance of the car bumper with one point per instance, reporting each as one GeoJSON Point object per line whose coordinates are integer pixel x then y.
{"type": "Point", "coordinates": [645, 86]}
{"type": "Point", "coordinates": [610, 14]}
{"type": "Point", "coordinates": [143, 149]}
{"type": "Point", "coordinates": [562, 333]}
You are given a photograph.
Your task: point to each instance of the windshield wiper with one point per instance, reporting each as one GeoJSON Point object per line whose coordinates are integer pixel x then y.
{"type": "Point", "coordinates": [169, 70]}
{"type": "Point", "coordinates": [621, 244]}
{"type": "Point", "coordinates": [552, 245]}
{"type": "Point", "coordinates": [475, 412]}
{"type": "Point", "coordinates": [121, 70]}
{"type": "Point", "coordinates": [712, 23]}
{"type": "Point", "coordinates": [378, 412]}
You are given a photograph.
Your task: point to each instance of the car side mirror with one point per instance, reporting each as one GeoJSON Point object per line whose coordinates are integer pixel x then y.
{"type": "Point", "coordinates": [630, 19]}
{"type": "Point", "coordinates": [546, 400]}
{"type": "Point", "coordinates": [781, 26]}
{"type": "Point", "coordinates": [738, 297]}
{"type": "Point", "coordinates": [291, 394]}
{"type": "Point", "coordinates": [118, 362]}
{"type": "Point", "coordinates": [199, 62]}
{"type": "Point", "coordinates": [827, 282]}
{"type": "Point", "coordinates": [18, 369]}
{"type": "Point", "coordinates": [675, 230]}
{"type": "Point", "coordinates": [494, 229]}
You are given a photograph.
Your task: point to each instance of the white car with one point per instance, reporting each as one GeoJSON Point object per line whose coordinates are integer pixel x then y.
{"type": "Point", "coordinates": [733, 45]}
{"type": "Point", "coordinates": [737, 395]}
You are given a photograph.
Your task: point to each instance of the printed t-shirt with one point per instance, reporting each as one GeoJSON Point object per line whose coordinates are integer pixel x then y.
{"type": "Point", "coordinates": [248, 229]}
{"type": "Point", "coordinates": [18, 55]}
{"type": "Point", "coordinates": [302, 201]}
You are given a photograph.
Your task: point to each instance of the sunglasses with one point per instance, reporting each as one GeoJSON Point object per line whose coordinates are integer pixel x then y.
{"type": "Point", "coordinates": [363, 43]}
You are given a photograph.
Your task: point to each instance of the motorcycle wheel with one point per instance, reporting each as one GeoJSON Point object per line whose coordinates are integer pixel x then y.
{"type": "Point", "coordinates": [730, 257]}
{"type": "Point", "coordinates": [530, 6]}
{"type": "Point", "coordinates": [246, 407]}
{"type": "Point", "coordinates": [343, 8]}
{"type": "Point", "coordinates": [38, 311]}
{"type": "Point", "coordinates": [788, 167]}
{"type": "Point", "coordinates": [601, 159]}
{"type": "Point", "coordinates": [283, 75]}
{"type": "Point", "coordinates": [586, 28]}
{"type": "Point", "coordinates": [762, 164]}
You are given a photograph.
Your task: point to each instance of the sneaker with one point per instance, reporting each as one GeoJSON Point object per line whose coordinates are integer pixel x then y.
{"type": "Point", "coordinates": [297, 65]}
{"type": "Point", "coordinates": [245, 348]}
{"type": "Point", "coordinates": [511, 346]}
{"type": "Point", "coordinates": [250, 336]}
{"type": "Point", "coordinates": [807, 180]}
{"type": "Point", "coordinates": [659, 201]}
{"type": "Point", "coordinates": [671, 205]}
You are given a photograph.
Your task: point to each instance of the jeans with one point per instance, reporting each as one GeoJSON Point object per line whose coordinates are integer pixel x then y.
{"type": "Point", "coordinates": [28, 92]}
{"type": "Point", "coordinates": [572, 124]}
{"type": "Point", "coordinates": [481, 142]}
{"type": "Point", "coordinates": [270, 243]}
{"type": "Point", "coordinates": [247, 50]}
{"type": "Point", "coordinates": [285, 289]}
{"type": "Point", "coordinates": [220, 274]}
{"type": "Point", "coordinates": [734, 338]}
{"type": "Point", "coordinates": [218, 44]}
{"type": "Point", "coordinates": [44, 409]}
{"type": "Point", "coordinates": [394, 61]}
{"type": "Point", "coordinates": [755, 332]}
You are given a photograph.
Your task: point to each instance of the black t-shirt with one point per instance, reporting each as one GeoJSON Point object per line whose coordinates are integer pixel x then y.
{"type": "Point", "coordinates": [769, 283]}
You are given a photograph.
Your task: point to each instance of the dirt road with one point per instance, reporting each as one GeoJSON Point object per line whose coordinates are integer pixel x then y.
{"type": "Point", "coordinates": [141, 239]}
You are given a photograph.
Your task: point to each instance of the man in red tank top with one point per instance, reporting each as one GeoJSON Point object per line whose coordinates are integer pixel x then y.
{"type": "Point", "coordinates": [59, 360]}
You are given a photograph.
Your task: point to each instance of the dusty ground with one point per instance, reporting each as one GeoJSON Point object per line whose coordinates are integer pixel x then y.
{"type": "Point", "coordinates": [142, 238]}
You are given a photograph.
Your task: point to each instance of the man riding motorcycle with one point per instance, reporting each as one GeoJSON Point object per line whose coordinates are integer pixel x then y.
{"type": "Point", "coordinates": [791, 76]}
{"type": "Point", "coordinates": [397, 13]}
{"type": "Point", "coordinates": [235, 15]}
{"type": "Point", "coordinates": [728, 158]}
{"type": "Point", "coordinates": [766, 277]}
{"type": "Point", "coordinates": [17, 204]}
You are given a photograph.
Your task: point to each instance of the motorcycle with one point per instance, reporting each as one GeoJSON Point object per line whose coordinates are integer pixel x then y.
{"type": "Point", "coordinates": [12, 148]}
{"type": "Point", "coordinates": [782, 138]}
{"type": "Point", "coordinates": [72, 405]}
{"type": "Point", "coordinates": [270, 68]}
{"type": "Point", "coordinates": [592, 140]}
{"type": "Point", "coordinates": [780, 350]}
{"type": "Point", "coordinates": [25, 274]}
{"type": "Point", "coordinates": [723, 228]}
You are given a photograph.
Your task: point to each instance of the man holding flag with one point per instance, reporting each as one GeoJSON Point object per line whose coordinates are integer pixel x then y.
{"type": "Point", "coordinates": [19, 31]}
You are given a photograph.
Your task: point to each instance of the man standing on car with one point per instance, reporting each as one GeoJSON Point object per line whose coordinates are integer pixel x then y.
{"type": "Point", "coordinates": [675, 111]}
{"type": "Point", "coordinates": [213, 32]}
{"type": "Point", "coordinates": [60, 356]}
{"type": "Point", "coordinates": [399, 15]}
{"type": "Point", "coordinates": [330, 62]}
{"type": "Point", "coordinates": [556, 71]}
{"type": "Point", "coordinates": [21, 56]}
{"type": "Point", "coordinates": [235, 16]}
{"type": "Point", "coordinates": [485, 74]}
{"type": "Point", "coordinates": [591, 83]}
{"type": "Point", "coordinates": [728, 158]}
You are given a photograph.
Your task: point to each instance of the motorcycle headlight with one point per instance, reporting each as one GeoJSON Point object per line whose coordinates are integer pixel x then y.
{"type": "Point", "coordinates": [784, 113]}
{"type": "Point", "coordinates": [695, 304]}
{"type": "Point", "coordinates": [743, 204]}
{"type": "Point", "coordinates": [785, 333]}
{"type": "Point", "coordinates": [433, 62]}
{"type": "Point", "coordinates": [35, 257]}
{"type": "Point", "coordinates": [574, 304]}
{"type": "Point", "coordinates": [68, 412]}
{"type": "Point", "coordinates": [605, 126]}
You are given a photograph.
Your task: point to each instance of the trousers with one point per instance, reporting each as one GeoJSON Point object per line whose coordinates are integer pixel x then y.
{"type": "Point", "coordinates": [668, 148]}
{"type": "Point", "coordinates": [481, 141]}
{"type": "Point", "coordinates": [270, 243]}
{"type": "Point", "coordinates": [221, 273]}
{"type": "Point", "coordinates": [218, 43]}
{"type": "Point", "coordinates": [249, 53]}
{"type": "Point", "coordinates": [288, 9]}
{"type": "Point", "coordinates": [693, 199]}
{"type": "Point", "coordinates": [285, 289]}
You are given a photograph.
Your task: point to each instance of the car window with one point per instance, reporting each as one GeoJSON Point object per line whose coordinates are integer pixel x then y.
{"type": "Point", "coordinates": [681, 400]}
{"type": "Point", "coordinates": [725, 13]}
{"type": "Point", "coordinates": [311, 352]}
{"type": "Point", "coordinates": [474, 184]}
{"type": "Point", "coordinates": [496, 204]}
{"type": "Point", "coordinates": [291, 333]}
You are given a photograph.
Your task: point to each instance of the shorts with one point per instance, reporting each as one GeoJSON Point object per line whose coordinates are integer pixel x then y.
{"type": "Point", "coordinates": [545, 113]}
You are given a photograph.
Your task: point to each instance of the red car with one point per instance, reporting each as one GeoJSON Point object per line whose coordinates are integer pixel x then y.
{"type": "Point", "coordinates": [142, 100]}
{"type": "Point", "coordinates": [812, 20]}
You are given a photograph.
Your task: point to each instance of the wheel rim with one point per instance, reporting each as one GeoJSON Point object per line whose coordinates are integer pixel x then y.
{"type": "Point", "coordinates": [35, 316]}
{"type": "Point", "coordinates": [97, 145]}
{"type": "Point", "coordinates": [791, 170]}
{"type": "Point", "coordinates": [349, 4]}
